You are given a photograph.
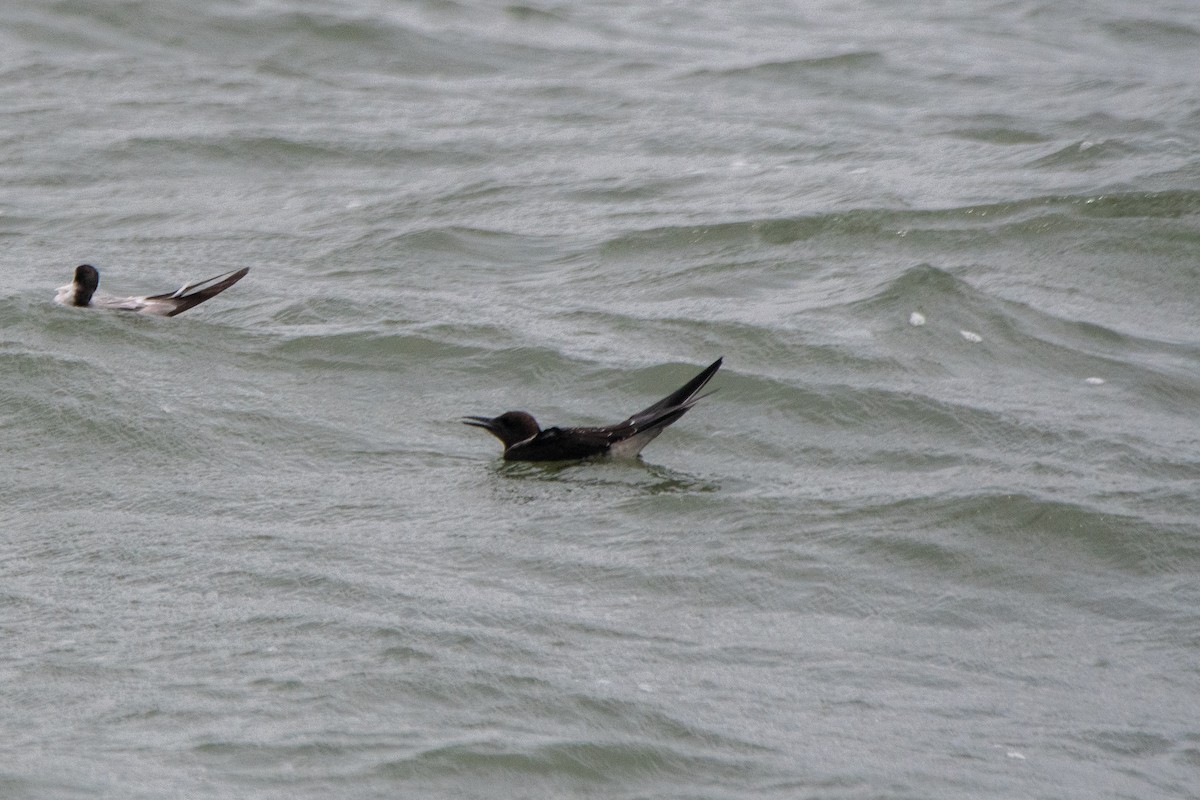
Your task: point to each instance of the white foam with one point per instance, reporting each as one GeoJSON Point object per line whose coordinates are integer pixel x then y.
{"type": "Point", "coordinates": [971, 336]}
{"type": "Point", "coordinates": [916, 319]}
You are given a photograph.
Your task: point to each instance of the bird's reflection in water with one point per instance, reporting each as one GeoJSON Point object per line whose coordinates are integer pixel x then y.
{"type": "Point", "coordinates": [650, 478]}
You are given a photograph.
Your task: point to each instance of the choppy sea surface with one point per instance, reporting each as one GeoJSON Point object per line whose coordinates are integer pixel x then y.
{"type": "Point", "coordinates": [251, 552]}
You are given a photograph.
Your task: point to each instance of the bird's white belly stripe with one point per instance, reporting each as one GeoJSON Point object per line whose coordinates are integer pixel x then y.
{"type": "Point", "coordinates": [629, 448]}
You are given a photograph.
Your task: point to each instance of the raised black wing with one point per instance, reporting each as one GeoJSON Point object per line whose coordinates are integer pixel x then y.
{"type": "Point", "coordinates": [194, 294]}
{"type": "Point", "coordinates": [676, 404]}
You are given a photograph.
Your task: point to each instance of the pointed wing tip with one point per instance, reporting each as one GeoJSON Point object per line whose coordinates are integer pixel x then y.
{"type": "Point", "coordinates": [706, 375]}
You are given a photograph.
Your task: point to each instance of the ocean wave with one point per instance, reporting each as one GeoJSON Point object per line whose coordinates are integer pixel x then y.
{"type": "Point", "coordinates": [273, 38]}
{"type": "Point", "coordinates": [1090, 535]}
{"type": "Point", "coordinates": [798, 68]}
{"type": "Point", "coordinates": [1025, 214]}
{"type": "Point", "coordinates": [1086, 154]}
{"type": "Point", "coordinates": [562, 765]}
{"type": "Point", "coordinates": [364, 349]}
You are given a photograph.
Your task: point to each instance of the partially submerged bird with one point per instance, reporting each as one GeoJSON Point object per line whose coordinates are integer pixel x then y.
{"type": "Point", "coordinates": [82, 292]}
{"type": "Point", "coordinates": [524, 440]}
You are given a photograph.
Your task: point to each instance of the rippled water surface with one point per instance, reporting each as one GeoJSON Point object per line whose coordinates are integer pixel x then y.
{"type": "Point", "coordinates": [937, 534]}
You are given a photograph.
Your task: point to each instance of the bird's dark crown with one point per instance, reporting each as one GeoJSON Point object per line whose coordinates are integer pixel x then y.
{"type": "Point", "coordinates": [87, 280]}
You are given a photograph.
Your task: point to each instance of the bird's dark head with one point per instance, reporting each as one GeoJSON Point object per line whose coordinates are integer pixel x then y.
{"type": "Point", "coordinates": [510, 427]}
{"type": "Point", "coordinates": [87, 280]}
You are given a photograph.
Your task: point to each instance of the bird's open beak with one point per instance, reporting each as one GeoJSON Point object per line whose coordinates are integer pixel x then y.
{"type": "Point", "coordinates": [480, 422]}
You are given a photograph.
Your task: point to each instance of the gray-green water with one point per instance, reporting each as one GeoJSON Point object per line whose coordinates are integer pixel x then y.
{"type": "Point", "coordinates": [250, 552]}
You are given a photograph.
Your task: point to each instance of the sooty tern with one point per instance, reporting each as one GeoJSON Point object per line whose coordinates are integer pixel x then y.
{"type": "Point", "coordinates": [82, 292]}
{"type": "Point", "coordinates": [524, 440]}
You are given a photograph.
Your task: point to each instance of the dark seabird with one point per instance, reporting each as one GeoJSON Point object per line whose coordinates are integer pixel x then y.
{"type": "Point", "coordinates": [82, 292]}
{"type": "Point", "coordinates": [524, 440]}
